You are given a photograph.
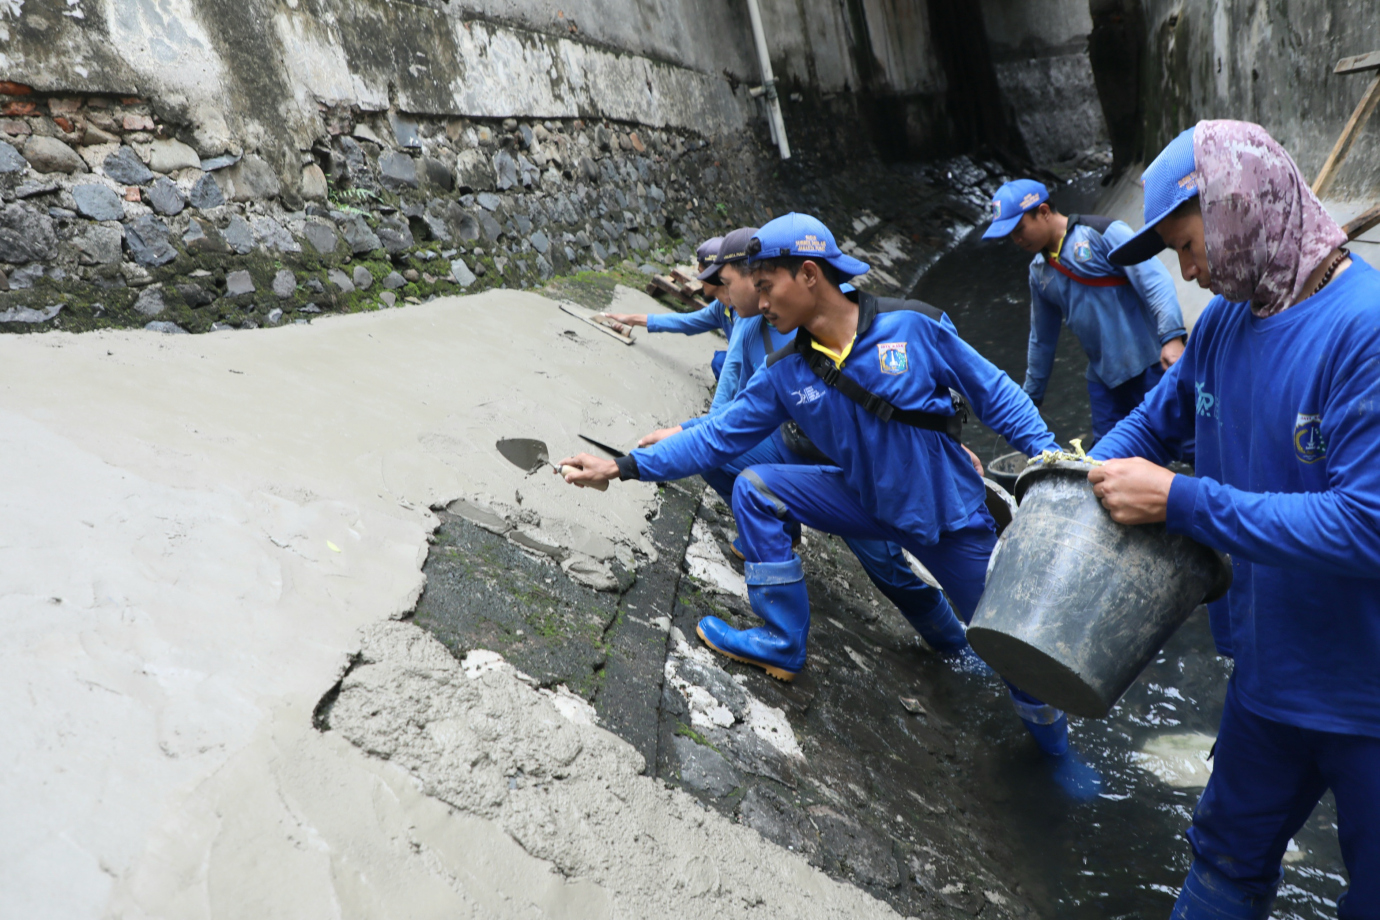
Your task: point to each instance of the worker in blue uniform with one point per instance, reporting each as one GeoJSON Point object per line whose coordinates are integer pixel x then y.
{"type": "Point", "coordinates": [753, 340]}
{"type": "Point", "coordinates": [887, 418]}
{"type": "Point", "coordinates": [1127, 317]}
{"type": "Point", "coordinates": [717, 315]}
{"type": "Point", "coordinates": [1280, 385]}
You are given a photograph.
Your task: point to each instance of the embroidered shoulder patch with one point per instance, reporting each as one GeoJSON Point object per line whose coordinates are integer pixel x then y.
{"type": "Point", "coordinates": [892, 357]}
{"type": "Point", "coordinates": [1082, 251]}
{"type": "Point", "coordinates": [1309, 445]}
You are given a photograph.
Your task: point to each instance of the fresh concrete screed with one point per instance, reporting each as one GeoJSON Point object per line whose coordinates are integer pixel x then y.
{"type": "Point", "coordinates": [201, 532]}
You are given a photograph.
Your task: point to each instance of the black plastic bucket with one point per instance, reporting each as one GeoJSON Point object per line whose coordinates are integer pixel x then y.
{"type": "Point", "coordinates": [1077, 605]}
{"type": "Point", "coordinates": [1000, 504]}
{"type": "Point", "coordinates": [1005, 469]}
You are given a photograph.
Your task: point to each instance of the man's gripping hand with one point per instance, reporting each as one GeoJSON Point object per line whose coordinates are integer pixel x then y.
{"type": "Point", "coordinates": [626, 319]}
{"type": "Point", "coordinates": [1133, 490]}
{"type": "Point", "coordinates": [1171, 352]}
{"type": "Point", "coordinates": [659, 435]}
{"type": "Point", "coordinates": [588, 470]}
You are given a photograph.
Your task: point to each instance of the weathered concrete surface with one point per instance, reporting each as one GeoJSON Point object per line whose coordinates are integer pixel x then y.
{"type": "Point", "coordinates": [198, 529]}
{"type": "Point", "coordinates": [1269, 63]}
{"type": "Point", "coordinates": [1040, 52]}
{"type": "Point", "coordinates": [257, 75]}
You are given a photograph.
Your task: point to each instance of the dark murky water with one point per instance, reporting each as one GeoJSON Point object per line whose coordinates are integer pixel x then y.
{"type": "Point", "coordinates": [1122, 855]}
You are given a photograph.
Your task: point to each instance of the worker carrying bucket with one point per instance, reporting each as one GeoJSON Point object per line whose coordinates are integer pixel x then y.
{"type": "Point", "coordinates": [1077, 605]}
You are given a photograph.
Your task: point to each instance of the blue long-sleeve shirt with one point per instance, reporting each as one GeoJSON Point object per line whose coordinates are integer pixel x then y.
{"type": "Point", "coordinates": [1121, 328]}
{"type": "Point", "coordinates": [1286, 412]}
{"type": "Point", "coordinates": [753, 339]}
{"type": "Point", "coordinates": [916, 480]}
{"type": "Point", "coordinates": [715, 316]}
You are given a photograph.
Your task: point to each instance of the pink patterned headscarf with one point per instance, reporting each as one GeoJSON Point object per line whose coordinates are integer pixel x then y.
{"type": "Point", "coordinates": [1264, 228]}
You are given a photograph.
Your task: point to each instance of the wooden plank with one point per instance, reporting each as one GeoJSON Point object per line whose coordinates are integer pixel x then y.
{"type": "Point", "coordinates": [1359, 63]}
{"type": "Point", "coordinates": [1361, 223]}
{"type": "Point", "coordinates": [1348, 136]}
{"type": "Point", "coordinates": [602, 323]}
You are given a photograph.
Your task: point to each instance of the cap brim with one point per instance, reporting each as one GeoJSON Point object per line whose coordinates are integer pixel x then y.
{"type": "Point", "coordinates": [849, 267]}
{"type": "Point", "coordinates": [1002, 228]}
{"type": "Point", "coordinates": [710, 274]}
{"type": "Point", "coordinates": [1144, 245]}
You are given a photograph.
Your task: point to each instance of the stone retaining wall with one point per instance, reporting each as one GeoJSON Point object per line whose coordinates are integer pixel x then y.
{"type": "Point", "coordinates": [108, 219]}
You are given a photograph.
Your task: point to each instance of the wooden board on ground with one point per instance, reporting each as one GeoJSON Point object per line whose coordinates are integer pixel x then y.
{"type": "Point", "coordinates": [1362, 222]}
{"type": "Point", "coordinates": [665, 287]}
{"type": "Point", "coordinates": [589, 316]}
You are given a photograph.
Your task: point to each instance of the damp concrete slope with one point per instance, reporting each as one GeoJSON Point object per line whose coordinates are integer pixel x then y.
{"type": "Point", "coordinates": [196, 529]}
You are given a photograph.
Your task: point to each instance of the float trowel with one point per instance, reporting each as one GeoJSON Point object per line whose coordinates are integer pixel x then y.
{"type": "Point", "coordinates": [531, 455]}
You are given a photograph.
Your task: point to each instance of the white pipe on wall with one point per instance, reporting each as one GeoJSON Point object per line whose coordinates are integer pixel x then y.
{"type": "Point", "coordinates": [778, 124]}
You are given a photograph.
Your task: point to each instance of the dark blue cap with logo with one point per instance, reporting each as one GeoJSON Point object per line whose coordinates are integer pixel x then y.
{"type": "Point", "coordinates": [803, 236]}
{"type": "Point", "coordinates": [708, 250]}
{"type": "Point", "coordinates": [1011, 203]}
{"type": "Point", "coordinates": [732, 248]}
{"type": "Point", "coordinates": [1169, 181]}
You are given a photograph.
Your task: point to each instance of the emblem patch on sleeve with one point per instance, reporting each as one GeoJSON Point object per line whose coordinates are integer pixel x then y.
{"type": "Point", "coordinates": [892, 356]}
{"type": "Point", "coordinates": [1309, 445]}
{"type": "Point", "coordinates": [1082, 251]}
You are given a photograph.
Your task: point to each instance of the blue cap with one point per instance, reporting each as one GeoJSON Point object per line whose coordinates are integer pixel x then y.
{"type": "Point", "coordinates": [806, 237]}
{"type": "Point", "coordinates": [708, 250]}
{"type": "Point", "coordinates": [1169, 181]}
{"type": "Point", "coordinates": [732, 248]}
{"type": "Point", "coordinates": [1011, 203]}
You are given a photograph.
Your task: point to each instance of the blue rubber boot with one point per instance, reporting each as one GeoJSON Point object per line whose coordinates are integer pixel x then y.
{"type": "Point", "coordinates": [928, 610]}
{"type": "Point", "coordinates": [777, 593]}
{"type": "Point", "coordinates": [1209, 895]}
{"type": "Point", "coordinates": [1049, 727]}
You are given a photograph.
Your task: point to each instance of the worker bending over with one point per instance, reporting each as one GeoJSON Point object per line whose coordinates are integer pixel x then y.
{"type": "Point", "coordinates": [753, 340]}
{"type": "Point", "coordinates": [1127, 317]}
{"type": "Point", "coordinates": [870, 387]}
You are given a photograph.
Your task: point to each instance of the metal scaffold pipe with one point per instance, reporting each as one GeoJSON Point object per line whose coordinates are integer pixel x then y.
{"type": "Point", "coordinates": [778, 124]}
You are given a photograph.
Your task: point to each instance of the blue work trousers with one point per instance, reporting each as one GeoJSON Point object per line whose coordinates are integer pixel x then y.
{"type": "Point", "coordinates": [1266, 779]}
{"type": "Point", "coordinates": [768, 499]}
{"type": "Point", "coordinates": [884, 562]}
{"type": "Point", "coordinates": [716, 363]}
{"type": "Point", "coordinates": [1112, 404]}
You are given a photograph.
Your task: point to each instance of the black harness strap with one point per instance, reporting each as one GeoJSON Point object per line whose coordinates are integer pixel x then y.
{"type": "Point", "coordinates": [1094, 221]}
{"type": "Point", "coordinates": [824, 369]}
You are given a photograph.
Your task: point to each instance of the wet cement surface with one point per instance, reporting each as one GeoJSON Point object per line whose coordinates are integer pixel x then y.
{"type": "Point", "coordinates": [876, 774]}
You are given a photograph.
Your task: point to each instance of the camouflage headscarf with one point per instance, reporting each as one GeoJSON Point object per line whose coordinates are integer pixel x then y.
{"type": "Point", "coordinates": [1264, 229]}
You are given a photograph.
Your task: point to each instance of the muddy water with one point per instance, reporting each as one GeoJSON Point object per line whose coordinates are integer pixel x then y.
{"type": "Point", "coordinates": [1123, 854]}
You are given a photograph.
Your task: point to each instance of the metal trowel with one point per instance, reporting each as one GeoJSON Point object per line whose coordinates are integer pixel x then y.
{"type": "Point", "coordinates": [531, 455]}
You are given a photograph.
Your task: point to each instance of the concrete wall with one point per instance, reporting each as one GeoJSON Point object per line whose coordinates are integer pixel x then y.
{"type": "Point", "coordinates": [1040, 53]}
{"type": "Point", "coordinates": [258, 73]}
{"type": "Point", "coordinates": [1269, 63]}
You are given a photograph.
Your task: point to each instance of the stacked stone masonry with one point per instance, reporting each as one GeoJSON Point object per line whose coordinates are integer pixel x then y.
{"type": "Point", "coordinates": [108, 218]}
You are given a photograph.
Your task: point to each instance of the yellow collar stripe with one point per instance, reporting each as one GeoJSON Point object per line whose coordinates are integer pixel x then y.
{"type": "Point", "coordinates": [837, 357]}
{"type": "Point", "coordinates": [1058, 249]}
